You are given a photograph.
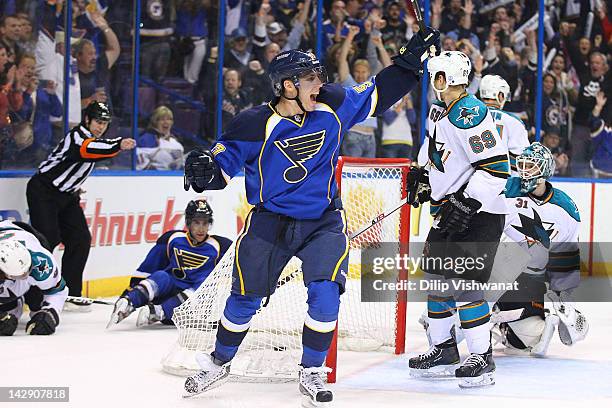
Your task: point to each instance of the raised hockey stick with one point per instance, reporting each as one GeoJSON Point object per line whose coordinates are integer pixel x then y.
{"type": "Point", "coordinates": [82, 301]}
{"type": "Point", "coordinates": [421, 22]}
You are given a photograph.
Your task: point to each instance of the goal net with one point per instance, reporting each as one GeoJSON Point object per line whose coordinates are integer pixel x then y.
{"type": "Point", "coordinates": [272, 348]}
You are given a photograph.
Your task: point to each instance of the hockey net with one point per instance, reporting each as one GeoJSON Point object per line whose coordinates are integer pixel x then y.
{"type": "Point", "coordinates": [272, 349]}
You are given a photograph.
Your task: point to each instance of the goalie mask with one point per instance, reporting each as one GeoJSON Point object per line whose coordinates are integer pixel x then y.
{"type": "Point", "coordinates": [491, 86]}
{"type": "Point", "coordinates": [15, 259]}
{"type": "Point", "coordinates": [535, 165]}
{"type": "Point", "coordinates": [456, 67]}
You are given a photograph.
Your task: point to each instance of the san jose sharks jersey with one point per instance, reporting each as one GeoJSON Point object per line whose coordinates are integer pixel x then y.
{"type": "Point", "coordinates": [44, 272]}
{"type": "Point", "coordinates": [289, 163]}
{"type": "Point", "coordinates": [463, 150]}
{"type": "Point", "coordinates": [549, 230]}
{"type": "Point", "coordinates": [513, 132]}
{"type": "Point", "coordinates": [190, 264]}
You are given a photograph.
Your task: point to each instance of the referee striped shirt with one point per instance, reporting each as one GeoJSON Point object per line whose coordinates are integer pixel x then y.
{"type": "Point", "coordinates": [73, 159]}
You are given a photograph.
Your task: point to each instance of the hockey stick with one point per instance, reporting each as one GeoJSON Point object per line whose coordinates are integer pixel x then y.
{"type": "Point", "coordinates": [419, 19]}
{"type": "Point", "coordinates": [83, 301]}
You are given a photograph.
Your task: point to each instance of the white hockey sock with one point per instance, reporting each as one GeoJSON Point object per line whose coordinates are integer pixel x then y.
{"type": "Point", "coordinates": [440, 329]}
{"type": "Point", "coordinates": [478, 338]}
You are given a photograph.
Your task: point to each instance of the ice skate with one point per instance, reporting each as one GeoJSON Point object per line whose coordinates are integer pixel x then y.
{"type": "Point", "coordinates": [477, 370]}
{"type": "Point", "coordinates": [312, 385]}
{"type": "Point", "coordinates": [123, 308]}
{"type": "Point", "coordinates": [150, 314]}
{"type": "Point", "coordinates": [438, 362]}
{"type": "Point", "coordinates": [214, 373]}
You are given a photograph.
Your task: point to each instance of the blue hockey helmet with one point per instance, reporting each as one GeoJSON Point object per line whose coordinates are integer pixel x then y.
{"type": "Point", "coordinates": [535, 164]}
{"type": "Point", "coordinates": [292, 65]}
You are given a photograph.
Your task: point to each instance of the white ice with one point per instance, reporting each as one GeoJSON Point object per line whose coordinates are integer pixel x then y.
{"type": "Point", "coordinates": [121, 368]}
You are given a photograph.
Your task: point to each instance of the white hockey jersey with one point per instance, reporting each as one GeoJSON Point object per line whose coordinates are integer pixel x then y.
{"type": "Point", "coordinates": [44, 272]}
{"type": "Point", "coordinates": [463, 150]}
{"type": "Point", "coordinates": [512, 132]}
{"type": "Point", "coordinates": [548, 230]}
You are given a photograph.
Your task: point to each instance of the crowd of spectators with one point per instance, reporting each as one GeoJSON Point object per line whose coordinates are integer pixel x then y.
{"type": "Point", "coordinates": [179, 57]}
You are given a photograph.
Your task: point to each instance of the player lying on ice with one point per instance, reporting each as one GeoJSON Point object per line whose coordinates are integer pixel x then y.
{"type": "Point", "coordinates": [289, 149]}
{"type": "Point", "coordinates": [28, 274]}
{"type": "Point", "coordinates": [177, 265]}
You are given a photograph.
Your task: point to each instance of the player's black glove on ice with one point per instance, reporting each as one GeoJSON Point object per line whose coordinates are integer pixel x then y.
{"type": "Point", "coordinates": [412, 55]}
{"type": "Point", "coordinates": [200, 169]}
{"type": "Point", "coordinates": [8, 324]}
{"type": "Point", "coordinates": [417, 186]}
{"type": "Point", "coordinates": [43, 322]}
{"type": "Point", "coordinates": [457, 212]}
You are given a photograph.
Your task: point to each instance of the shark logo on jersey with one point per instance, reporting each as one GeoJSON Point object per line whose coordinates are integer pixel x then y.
{"type": "Point", "coordinates": [298, 150]}
{"type": "Point", "coordinates": [467, 114]}
{"type": "Point", "coordinates": [437, 155]}
{"type": "Point", "coordinates": [535, 229]}
{"type": "Point", "coordinates": [187, 261]}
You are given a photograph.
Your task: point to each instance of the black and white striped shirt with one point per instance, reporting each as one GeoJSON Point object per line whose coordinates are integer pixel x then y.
{"type": "Point", "coordinates": [73, 158]}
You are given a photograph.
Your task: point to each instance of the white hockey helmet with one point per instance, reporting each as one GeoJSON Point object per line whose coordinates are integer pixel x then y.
{"type": "Point", "coordinates": [493, 85]}
{"type": "Point", "coordinates": [455, 65]}
{"type": "Point", "coordinates": [15, 259]}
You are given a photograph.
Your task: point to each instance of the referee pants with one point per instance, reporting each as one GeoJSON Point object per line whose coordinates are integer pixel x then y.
{"type": "Point", "coordinates": [59, 217]}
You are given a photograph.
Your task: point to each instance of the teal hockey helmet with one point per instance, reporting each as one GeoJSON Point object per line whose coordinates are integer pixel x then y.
{"type": "Point", "coordinates": [534, 164]}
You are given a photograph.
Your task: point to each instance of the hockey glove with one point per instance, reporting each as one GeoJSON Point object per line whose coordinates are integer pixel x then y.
{"type": "Point", "coordinates": [457, 212]}
{"type": "Point", "coordinates": [199, 170]}
{"type": "Point", "coordinates": [412, 55]}
{"type": "Point", "coordinates": [417, 186]}
{"type": "Point", "coordinates": [8, 324]}
{"type": "Point", "coordinates": [573, 325]}
{"type": "Point", "coordinates": [43, 322]}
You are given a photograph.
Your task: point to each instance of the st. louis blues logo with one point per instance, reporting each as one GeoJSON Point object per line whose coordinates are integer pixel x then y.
{"type": "Point", "coordinates": [298, 150]}
{"type": "Point", "coordinates": [187, 261]}
{"type": "Point", "coordinates": [467, 114]}
{"type": "Point", "coordinates": [535, 230]}
{"type": "Point", "coordinates": [436, 153]}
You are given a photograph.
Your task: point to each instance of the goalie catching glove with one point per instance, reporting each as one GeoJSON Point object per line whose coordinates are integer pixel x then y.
{"type": "Point", "coordinates": [418, 49]}
{"type": "Point", "coordinates": [417, 186]}
{"type": "Point", "coordinates": [457, 212]}
{"type": "Point", "coordinates": [43, 322]}
{"type": "Point", "coordinates": [200, 170]}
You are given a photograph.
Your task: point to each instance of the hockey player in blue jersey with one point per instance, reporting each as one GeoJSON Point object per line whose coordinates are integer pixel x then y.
{"type": "Point", "coordinates": [289, 149]}
{"type": "Point", "coordinates": [175, 272]}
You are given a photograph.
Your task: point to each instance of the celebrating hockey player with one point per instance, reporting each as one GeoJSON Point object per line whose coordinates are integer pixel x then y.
{"type": "Point", "coordinates": [495, 92]}
{"type": "Point", "coordinates": [26, 264]}
{"type": "Point", "coordinates": [464, 164]}
{"type": "Point", "coordinates": [289, 149]}
{"type": "Point", "coordinates": [546, 222]}
{"type": "Point", "coordinates": [178, 264]}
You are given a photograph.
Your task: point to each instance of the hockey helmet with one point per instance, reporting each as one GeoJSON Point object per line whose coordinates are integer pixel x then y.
{"type": "Point", "coordinates": [455, 65]}
{"type": "Point", "coordinates": [535, 164]}
{"type": "Point", "coordinates": [15, 259]}
{"type": "Point", "coordinates": [292, 65]}
{"type": "Point", "coordinates": [97, 110]}
{"type": "Point", "coordinates": [493, 85]}
{"type": "Point", "coordinates": [198, 208]}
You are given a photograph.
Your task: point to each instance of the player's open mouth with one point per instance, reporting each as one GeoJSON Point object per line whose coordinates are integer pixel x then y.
{"type": "Point", "coordinates": [313, 97]}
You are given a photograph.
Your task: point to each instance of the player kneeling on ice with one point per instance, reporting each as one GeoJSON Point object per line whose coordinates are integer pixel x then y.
{"type": "Point", "coordinates": [289, 150]}
{"type": "Point", "coordinates": [178, 264]}
{"type": "Point", "coordinates": [463, 169]}
{"type": "Point", "coordinates": [28, 273]}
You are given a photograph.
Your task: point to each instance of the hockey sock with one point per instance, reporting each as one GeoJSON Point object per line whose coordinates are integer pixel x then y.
{"type": "Point", "coordinates": [475, 318]}
{"type": "Point", "coordinates": [440, 311]}
{"type": "Point", "coordinates": [142, 293]}
{"type": "Point", "coordinates": [235, 324]}
{"type": "Point", "coordinates": [171, 303]}
{"type": "Point", "coordinates": [320, 323]}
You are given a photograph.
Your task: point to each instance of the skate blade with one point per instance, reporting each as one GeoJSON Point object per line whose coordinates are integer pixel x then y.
{"type": "Point", "coordinates": [307, 402]}
{"type": "Point", "coordinates": [485, 380]}
{"type": "Point", "coordinates": [439, 372]}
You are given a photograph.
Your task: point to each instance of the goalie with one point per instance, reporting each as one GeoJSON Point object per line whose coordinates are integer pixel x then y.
{"type": "Point", "coordinates": [28, 274]}
{"type": "Point", "coordinates": [177, 265]}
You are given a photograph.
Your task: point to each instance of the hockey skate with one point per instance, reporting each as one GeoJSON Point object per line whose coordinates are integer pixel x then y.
{"type": "Point", "coordinates": [312, 385]}
{"type": "Point", "coordinates": [477, 370]}
{"type": "Point", "coordinates": [150, 314]}
{"type": "Point", "coordinates": [214, 373]}
{"type": "Point", "coordinates": [438, 362]}
{"type": "Point", "coordinates": [123, 308]}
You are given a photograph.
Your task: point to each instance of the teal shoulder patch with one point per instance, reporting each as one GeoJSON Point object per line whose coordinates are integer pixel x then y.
{"type": "Point", "coordinates": [42, 266]}
{"type": "Point", "coordinates": [467, 112]}
{"type": "Point", "coordinates": [564, 201]}
{"type": "Point", "coordinates": [513, 188]}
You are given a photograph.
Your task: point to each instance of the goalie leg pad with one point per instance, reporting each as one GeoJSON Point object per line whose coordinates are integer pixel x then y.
{"type": "Point", "coordinates": [323, 306]}
{"type": "Point", "coordinates": [235, 323]}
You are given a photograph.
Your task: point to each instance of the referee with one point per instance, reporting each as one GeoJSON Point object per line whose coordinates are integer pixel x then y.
{"type": "Point", "coordinates": [53, 192]}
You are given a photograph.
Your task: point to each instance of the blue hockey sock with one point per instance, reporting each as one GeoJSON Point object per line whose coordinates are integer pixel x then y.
{"type": "Point", "coordinates": [320, 323]}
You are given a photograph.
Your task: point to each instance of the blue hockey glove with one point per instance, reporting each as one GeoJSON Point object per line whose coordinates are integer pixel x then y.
{"type": "Point", "coordinates": [412, 55]}
{"type": "Point", "coordinates": [457, 212]}
{"type": "Point", "coordinates": [417, 186]}
{"type": "Point", "coordinates": [200, 169]}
